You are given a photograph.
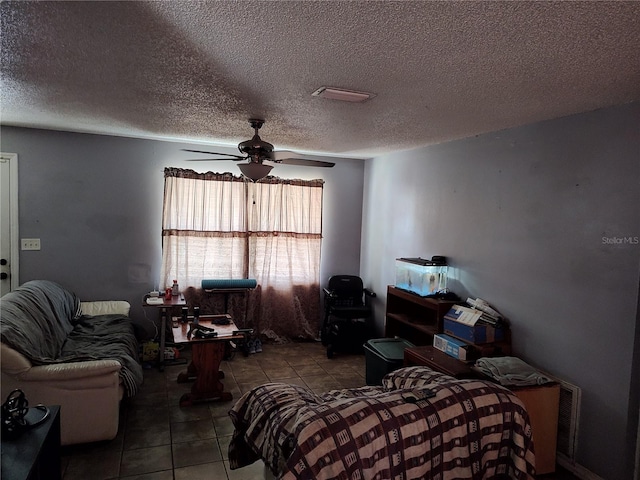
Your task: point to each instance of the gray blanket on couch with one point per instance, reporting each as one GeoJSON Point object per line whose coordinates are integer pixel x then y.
{"type": "Point", "coordinates": [42, 320]}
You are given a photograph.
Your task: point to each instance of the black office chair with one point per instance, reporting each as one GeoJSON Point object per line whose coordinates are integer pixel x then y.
{"type": "Point", "coordinates": [348, 316]}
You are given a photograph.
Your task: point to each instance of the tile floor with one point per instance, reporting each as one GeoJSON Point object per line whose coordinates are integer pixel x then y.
{"type": "Point", "coordinates": [158, 440]}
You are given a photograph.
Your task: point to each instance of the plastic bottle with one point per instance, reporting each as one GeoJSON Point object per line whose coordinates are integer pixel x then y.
{"type": "Point", "coordinates": [175, 289]}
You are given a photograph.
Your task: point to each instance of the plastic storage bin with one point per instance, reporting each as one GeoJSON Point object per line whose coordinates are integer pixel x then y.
{"type": "Point", "coordinates": [383, 355]}
{"type": "Point", "coordinates": [420, 276]}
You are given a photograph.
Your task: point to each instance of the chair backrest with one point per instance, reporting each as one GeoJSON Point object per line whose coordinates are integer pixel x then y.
{"type": "Point", "coordinates": [345, 284]}
{"type": "Point", "coordinates": [346, 289]}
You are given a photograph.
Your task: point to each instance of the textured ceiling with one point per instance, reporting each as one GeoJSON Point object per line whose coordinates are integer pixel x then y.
{"type": "Point", "coordinates": [196, 71]}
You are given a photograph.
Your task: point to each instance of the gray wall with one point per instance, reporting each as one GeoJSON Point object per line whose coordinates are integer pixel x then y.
{"type": "Point", "coordinates": [96, 204]}
{"type": "Point", "coordinates": [523, 215]}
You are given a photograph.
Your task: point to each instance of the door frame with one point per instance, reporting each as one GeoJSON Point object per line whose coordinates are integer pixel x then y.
{"type": "Point", "coordinates": [14, 258]}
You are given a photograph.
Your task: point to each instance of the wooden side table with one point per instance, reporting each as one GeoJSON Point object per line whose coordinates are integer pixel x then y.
{"type": "Point", "coordinates": [35, 454]}
{"type": "Point", "coordinates": [432, 357]}
{"type": "Point", "coordinates": [206, 355]}
{"type": "Point", "coordinates": [541, 401]}
{"type": "Point", "coordinates": [543, 405]}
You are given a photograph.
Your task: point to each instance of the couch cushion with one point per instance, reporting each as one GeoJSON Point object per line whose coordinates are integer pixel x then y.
{"type": "Point", "coordinates": [105, 307]}
{"type": "Point", "coordinates": [106, 337]}
{"type": "Point", "coordinates": [37, 318]}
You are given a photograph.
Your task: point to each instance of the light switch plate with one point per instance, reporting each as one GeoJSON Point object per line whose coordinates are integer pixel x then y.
{"type": "Point", "coordinates": [30, 243]}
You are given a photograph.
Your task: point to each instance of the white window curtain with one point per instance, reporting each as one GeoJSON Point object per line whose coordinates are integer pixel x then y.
{"type": "Point", "coordinates": [220, 226]}
{"type": "Point", "coordinates": [204, 231]}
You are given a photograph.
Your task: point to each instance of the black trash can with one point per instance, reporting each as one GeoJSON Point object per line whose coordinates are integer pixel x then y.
{"type": "Point", "coordinates": [383, 355]}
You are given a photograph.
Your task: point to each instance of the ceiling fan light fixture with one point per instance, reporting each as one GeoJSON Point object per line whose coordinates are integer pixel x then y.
{"type": "Point", "coordinates": [255, 171]}
{"type": "Point", "coordinates": [333, 93]}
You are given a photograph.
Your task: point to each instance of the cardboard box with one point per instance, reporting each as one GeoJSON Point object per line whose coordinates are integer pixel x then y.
{"type": "Point", "coordinates": [454, 347]}
{"type": "Point", "coordinates": [461, 322]}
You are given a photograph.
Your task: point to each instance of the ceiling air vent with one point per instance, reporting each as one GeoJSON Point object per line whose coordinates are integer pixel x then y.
{"type": "Point", "coordinates": [333, 93]}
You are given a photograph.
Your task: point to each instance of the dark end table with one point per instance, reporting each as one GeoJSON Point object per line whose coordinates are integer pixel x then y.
{"type": "Point", "coordinates": [35, 454]}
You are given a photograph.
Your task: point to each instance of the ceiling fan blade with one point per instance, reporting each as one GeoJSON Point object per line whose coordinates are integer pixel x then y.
{"type": "Point", "coordinates": [237, 157]}
{"type": "Point", "coordinates": [213, 159]}
{"type": "Point", "coordinates": [292, 158]}
{"type": "Point", "coordinates": [304, 162]}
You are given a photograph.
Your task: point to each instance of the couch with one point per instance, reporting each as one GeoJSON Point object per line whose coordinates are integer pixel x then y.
{"type": "Point", "coordinates": [82, 356]}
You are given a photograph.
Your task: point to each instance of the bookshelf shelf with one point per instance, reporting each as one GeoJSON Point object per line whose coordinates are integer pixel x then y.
{"type": "Point", "coordinates": [413, 317]}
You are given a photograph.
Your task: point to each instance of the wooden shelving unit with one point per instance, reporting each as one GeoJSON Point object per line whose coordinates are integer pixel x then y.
{"type": "Point", "coordinates": [413, 317]}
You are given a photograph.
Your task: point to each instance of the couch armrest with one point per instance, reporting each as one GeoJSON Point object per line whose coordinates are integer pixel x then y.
{"type": "Point", "coordinates": [12, 361]}
{"type": "Point", "coordinates": [105, 307]}
{"type": "Point", "coordinates": [70, 371]}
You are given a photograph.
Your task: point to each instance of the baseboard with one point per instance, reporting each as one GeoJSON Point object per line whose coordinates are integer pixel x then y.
{"type": "Point", "coordinates": [575, 468]}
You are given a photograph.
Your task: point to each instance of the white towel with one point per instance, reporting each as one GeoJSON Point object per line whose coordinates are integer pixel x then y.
{"type": "Point", "coordinates": [511, 371]}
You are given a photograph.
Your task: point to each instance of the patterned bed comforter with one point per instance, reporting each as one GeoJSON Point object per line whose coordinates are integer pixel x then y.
{"type": "Point", "coordinates": [469, 429]}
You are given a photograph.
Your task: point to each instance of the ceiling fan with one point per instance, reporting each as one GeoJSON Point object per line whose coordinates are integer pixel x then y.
{"type": "Point", "coordinates": [258, 151]}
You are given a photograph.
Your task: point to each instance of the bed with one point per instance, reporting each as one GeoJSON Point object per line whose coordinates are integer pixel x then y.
{"type": "Point", "coordinates": [467, 429]}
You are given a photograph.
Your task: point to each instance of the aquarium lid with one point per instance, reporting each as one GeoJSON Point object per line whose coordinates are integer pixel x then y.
{"type": "Point", "coordinates": [435, 260]}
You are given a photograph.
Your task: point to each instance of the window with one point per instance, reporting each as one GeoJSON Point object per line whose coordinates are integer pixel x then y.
{"type": "Point", "coordinates": [221, 226]}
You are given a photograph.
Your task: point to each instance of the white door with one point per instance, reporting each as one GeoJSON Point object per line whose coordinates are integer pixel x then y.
{"type": "Point", "coordinates": [9, 253]}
